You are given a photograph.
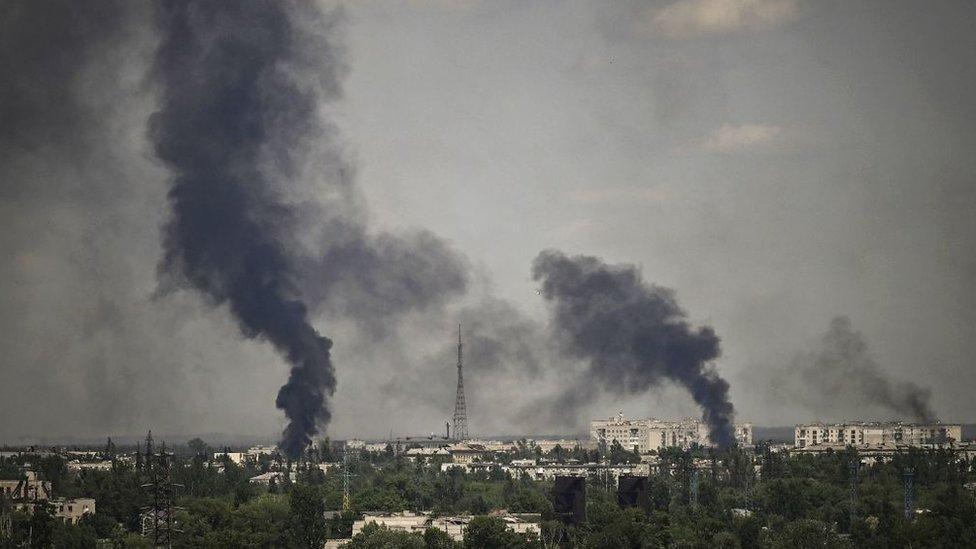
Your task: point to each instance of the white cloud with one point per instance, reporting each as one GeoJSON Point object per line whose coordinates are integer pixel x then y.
{"type": "Point", "coordinates": [693, 17]}
{"type": "Point", "coordinates": [730, 138]}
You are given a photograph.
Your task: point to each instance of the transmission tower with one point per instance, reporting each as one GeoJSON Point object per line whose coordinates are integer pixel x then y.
{"type": "Point", "coordinates": [6, 524]}
{"type": "Point", "coordinates": [460, 409]}
{"type": "Point", "coordinates": [853, 466]}
{"type": "Point", "coordinates": [909, 478]}
{"type": "Point", "coordinates": [157, 519]}
{"type": "Point", "coordinates": [346, 478]}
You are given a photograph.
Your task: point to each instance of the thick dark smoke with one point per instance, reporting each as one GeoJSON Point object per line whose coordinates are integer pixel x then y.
{"type": "Point", "coordinates": [842, 377]}
{"type": "Point", "coordinates": [373, 280]}
{"type": "Point", "coordinates": [633, 335]}
{"type": "Point", "coordinates": [233, 113]}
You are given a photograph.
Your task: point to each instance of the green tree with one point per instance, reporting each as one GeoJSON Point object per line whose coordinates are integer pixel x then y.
{"type": "Point", "coordinates": [807, 534]}
{"type": "Point", "coordinates": [42, 525]}
{"type": "Point", "coordinates": [619, 454]}
{"type": "Point", "coordinates": [373, 536]}
{"type": "Point", "coordinates": [492, 533]}
{"type": "Point", "coordinates": [198, 447]}
{"type": "Point", "coordinates": [67, 536]}
{"type": "Point", "coordinates": [309, 528]}
{"type": "Point", "coordinates": [435, 538]}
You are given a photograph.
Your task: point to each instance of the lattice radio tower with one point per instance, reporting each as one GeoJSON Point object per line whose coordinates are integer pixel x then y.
{"type": "Point", "coordinates": [460, 409]}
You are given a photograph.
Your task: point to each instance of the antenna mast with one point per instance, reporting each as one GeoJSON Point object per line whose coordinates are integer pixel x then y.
{"type": "Point", "coordinates": [460, 409]}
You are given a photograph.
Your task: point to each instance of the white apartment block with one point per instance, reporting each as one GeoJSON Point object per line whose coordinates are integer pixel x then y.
{"type": "Point", "coordinates": [863, 433]}
{"type": "Point", "coordinates": [454, 526]}
{"type": "Point", "coordinates": [647, 435]}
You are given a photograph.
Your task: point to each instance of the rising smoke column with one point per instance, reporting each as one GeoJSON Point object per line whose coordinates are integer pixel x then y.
{"type": "Point", "coordinates": [236, 110]}
{"type": "Point", "coordinates": [633, 335]}
{"type": "Point", "coordinates": [843, 376]}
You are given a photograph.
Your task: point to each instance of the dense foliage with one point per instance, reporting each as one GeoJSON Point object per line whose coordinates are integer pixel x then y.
{"type": "Point", "coordinates": [744, 499]}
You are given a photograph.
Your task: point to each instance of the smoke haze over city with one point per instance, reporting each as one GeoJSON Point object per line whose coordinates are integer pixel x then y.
{"type": "Point", "coordinates": [268, 219]}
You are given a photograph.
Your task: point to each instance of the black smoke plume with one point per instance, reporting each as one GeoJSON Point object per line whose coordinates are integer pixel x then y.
{"type": "Point", "coordinates": [843, 377]}
{"type": "Point", "coordinates": [238, 111]}
{"type": "Point", "coordinates": [633, 335]}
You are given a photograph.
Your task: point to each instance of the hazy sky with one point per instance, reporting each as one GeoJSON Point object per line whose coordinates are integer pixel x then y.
{"type": "Point", "coordinates": [777, 163]}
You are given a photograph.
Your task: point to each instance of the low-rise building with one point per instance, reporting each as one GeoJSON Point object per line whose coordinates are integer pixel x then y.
{"type": "Point", "coordinates": [237, 458]}
{"type": "Point", "coordinates": [548, 445]}
{"type": "Point", "coordinates": [454, 526]}
{"type": "Point", "coordinates": [496, 446]}
{"type": "Point", "coordinates": [424, 455]}
{"type": "Point", "coordinates": [89, 465]}
{"type": "Point", "coordinates": [71, 511]}
{"type": "Point", "coordinates": [462, 453]}
{"type": "Point", "coordinates": [533, 470]}
{"type": "Point", "coordinates": [273, 476]}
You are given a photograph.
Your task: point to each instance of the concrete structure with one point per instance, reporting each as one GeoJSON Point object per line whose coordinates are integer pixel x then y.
{"type": "Point", "coordinates": [453, 526]}
{"type": "Point", "coordinates": [71, 511]}
{"type": "Point", "coordinates": [251, 455]}
{"type": "Point", "coordinates": [547, 445]}
{"type": "Point", "coordinates": [651, 435]}
{"type": "Point", "coordinates": [90, 465]}
{"type": "Point", "coordinates": [528, 468]}
{"type": "Point", "coordinates": [235, 457]}
{"type": "Point", "coordinates": [276, 476]}
{"type": "Point", "coordinates": [495, 445]}
{"type": "Point", "coordinates": [866, 434]}
{"type": "Point", "coordinates": [467, 453]}
{"type": "Point", "coordinates": [26, 490]}
{"type": "Point", "coordinates": [424, 455]}
{"type": "Point", "coordinates": [25, 493]}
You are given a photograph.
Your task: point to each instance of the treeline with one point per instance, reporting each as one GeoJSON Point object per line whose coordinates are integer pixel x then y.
{"type": "Point", "coordinates": [700, 498]}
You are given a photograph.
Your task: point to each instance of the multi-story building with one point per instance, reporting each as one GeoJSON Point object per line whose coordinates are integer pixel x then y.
{"type": "Point", "coordinates": [647, 435]}
{"type": "Point", "coordinates": [71, 511]}
{"type": "Point", "coordinates": [875, 433]}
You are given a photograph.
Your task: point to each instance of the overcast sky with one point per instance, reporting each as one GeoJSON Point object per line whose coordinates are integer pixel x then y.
{"type": "Point", "coordinates": [777, 163]}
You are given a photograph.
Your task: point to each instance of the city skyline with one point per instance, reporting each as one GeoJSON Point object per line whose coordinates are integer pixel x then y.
{"type": "Point", "coordinates": [790, 179]}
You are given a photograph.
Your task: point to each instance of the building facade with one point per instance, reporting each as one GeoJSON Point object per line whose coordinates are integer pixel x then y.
{"type": "Point", "coordinates": [26, 490]}
{"type": "Point", "coordinates": [71, 511]}
{"type": "Point", "coordinates": [454, 526]}
{"type": "Point", "coordinates": [864, 433]}
{"type": "Point", "coordinates": [651, 435]}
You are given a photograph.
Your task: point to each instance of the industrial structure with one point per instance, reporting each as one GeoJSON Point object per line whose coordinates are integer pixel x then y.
{"type": "Point", "coordinates": [460, 408]}
{"type": "Point", "coordinates": [874, 433]}
{"type": "Point", "coordinates": [651, 435]}
{"type": "Point", "coordinates": [157, 518]}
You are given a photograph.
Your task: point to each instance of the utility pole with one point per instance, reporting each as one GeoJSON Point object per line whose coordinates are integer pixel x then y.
{"type": "Point", "coordinates": [346, 478]}
{"type": "Point", "coordinates": [853, 466]}
{"type": "Point", "coordinates": [460, 408]}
